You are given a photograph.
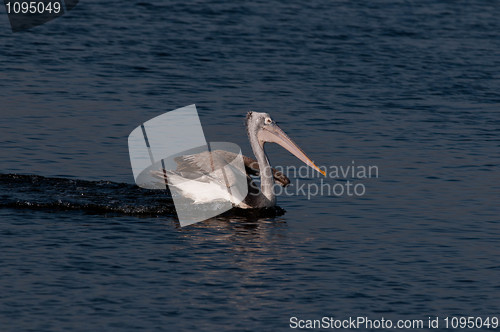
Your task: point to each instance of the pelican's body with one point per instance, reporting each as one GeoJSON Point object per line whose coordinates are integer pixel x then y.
{"type": "Point", "coordinates": [196, 179]}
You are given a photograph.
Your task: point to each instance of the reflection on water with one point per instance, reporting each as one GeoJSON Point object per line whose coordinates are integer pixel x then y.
{"type": "Point", "coordinates": [237, 230]}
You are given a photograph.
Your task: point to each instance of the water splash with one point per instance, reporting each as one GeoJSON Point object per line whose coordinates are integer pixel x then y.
{"type": "Point", "coordinates": [95, 197]}
{"type": "Point", "coordinates": [36, 192]}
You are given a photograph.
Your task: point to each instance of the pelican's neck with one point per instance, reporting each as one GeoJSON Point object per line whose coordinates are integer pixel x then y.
{"type": "Point", "coordinates": [266, 175]}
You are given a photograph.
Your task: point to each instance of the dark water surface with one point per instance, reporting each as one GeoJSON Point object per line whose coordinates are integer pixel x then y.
{"type": "Point", "coordinates": [412, 87]}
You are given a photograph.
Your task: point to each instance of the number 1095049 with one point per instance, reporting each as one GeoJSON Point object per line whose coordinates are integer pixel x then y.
{"type": "Point", "coordinates": [33, 7]}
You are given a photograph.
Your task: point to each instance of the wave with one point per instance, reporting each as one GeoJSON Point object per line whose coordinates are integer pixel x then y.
{"type": "Point", "coordinates": [98, 197]}
{"type": "Point", "coordinates": [36, 192]}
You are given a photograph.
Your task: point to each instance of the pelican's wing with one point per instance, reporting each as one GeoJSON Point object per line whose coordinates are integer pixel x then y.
{"type": "Point", "coordinates": [204, 189]}
{"type": "Point", "coordinates": [199, 167]}
{"type": "Point", "coordinates": [207, 176]}
{"type": "Point", "coordinates": [208, 161]}
{"type": "Point", "coordinates": [204, 162]}
{"type": "Point", "coordinates": [218, 165]}
{"type": "Point", "coordinates": [201, 164]}
{"type": "Point", "coordinates": [207, 164]}
{"type": "Point", "coordinates": [163, 176]}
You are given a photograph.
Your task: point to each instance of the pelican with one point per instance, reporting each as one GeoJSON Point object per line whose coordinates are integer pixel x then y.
{"type": "Point", "coordinates": [210, 186]}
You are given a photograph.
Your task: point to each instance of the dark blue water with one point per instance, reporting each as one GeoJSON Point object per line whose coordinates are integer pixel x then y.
{"type": "Point", "coordinates": [412, 87]}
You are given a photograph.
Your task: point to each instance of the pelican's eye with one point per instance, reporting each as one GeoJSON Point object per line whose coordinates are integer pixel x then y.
{"type": "Point", "coordinates": [268, 121]}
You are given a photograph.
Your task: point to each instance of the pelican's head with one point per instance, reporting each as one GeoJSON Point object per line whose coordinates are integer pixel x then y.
{"type": "Point", "coordinates": [263, 128]}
